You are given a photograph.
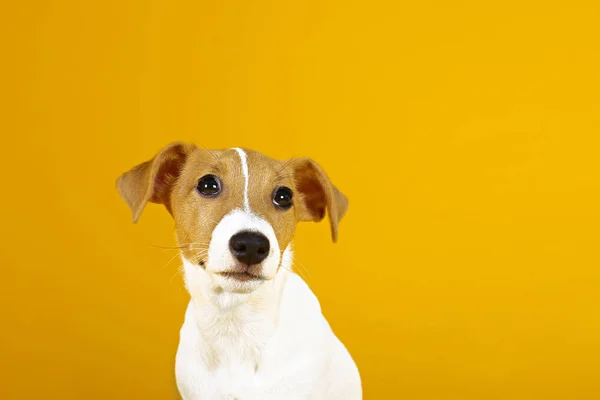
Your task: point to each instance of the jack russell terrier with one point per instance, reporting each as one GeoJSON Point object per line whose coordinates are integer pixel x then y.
{"type": "Point", "coordinates": [253, 329]}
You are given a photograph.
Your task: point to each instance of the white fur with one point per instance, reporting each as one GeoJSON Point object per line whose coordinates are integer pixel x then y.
{"type": "Point", "coordinates": [244, 161]}
{"type": "Point", "coordinates": [271, 344]}
{"type": "Point", "coordinates": [261, 339]}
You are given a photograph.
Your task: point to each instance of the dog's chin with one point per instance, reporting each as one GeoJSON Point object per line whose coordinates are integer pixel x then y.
{"type": "Point", "coordinates": [238, 282]}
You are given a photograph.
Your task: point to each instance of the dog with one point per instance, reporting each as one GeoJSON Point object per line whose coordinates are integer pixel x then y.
{"type": "Point", "coordinates": [253, 329]}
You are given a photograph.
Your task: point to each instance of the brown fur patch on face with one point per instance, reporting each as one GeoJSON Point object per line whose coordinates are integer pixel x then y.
{"type": "Point", "coordinates": [196, 216]}
{"type": "Point", "coordinates": [266, 175]}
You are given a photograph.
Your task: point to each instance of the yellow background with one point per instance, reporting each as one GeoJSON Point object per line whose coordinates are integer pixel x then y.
{"type": "Point", "coordinates": [465, 134]}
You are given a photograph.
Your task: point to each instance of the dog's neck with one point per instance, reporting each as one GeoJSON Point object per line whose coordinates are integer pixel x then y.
{"type": "Point", "coordinates": [208, 296]}
{"type": "Point", "coordinates": [235, 323]}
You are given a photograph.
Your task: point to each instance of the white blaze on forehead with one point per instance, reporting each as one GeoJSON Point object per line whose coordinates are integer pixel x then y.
{"type": "Point", "coordinates": [244, 161]}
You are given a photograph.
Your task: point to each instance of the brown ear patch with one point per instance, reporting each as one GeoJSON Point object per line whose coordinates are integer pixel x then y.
{"type": "Point", "coordinates": [318, 196]}
{"type": "Point", "coordinates": [169, 169]}
{"type": "Point", "coordinates": [312, 191]}
{"type": "Point", "coordinates": [153, 180]}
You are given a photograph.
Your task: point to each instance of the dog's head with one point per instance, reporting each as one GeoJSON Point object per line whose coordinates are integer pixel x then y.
{"type": "Point", "coordinates": [235, 210]}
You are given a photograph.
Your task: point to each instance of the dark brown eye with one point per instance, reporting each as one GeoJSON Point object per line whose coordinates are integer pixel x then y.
{"type": "Point", "coordinates": [209, 186]}
{"type": "Point", "coordinates": [282, 197]}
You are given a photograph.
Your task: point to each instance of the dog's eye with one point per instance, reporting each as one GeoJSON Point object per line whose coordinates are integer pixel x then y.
{"type": "Point", "coordinates": [282, 197]}
{"type": "Point", "coordinates": [209, 186]}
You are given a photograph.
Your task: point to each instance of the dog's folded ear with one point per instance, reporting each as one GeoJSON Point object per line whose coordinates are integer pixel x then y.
{"type": "Point", "coordinates": [318, 194]}
{"type": "Point", "coordinates": [153, 180]}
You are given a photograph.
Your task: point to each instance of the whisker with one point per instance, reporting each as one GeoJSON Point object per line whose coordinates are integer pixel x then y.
{"type": "Point", "coordinates": [183, 245]}
{"type": "Point", "coordinates": [211, 220]}
{"type": "Point", "coordinates": [299, 273]}
{"type": "Point", "coordinates": [170, 261]}
{"type": "Point", "coordinates": [177, 272]}
{"type": "Point", "coordinates": [277, 232]}
{"type": "Point", "coordinates": [180, 245]}
{"type": "Point", "coordinates": [213, 166]}
{"type": "Point", "coordinates": [198, 244]}
{"type": "Point", "coordinates": [169, 247]}
{"type": "Point", "coordinates": [217, 159]}
{"type": "Point", "coordinates": [297, 263]}
{"type": "Point", "coordinates": [287, 164]}
{"type": "Point", "coordinates": [281, 178]}
{"type": "Point", "coordinates": [302, 274]}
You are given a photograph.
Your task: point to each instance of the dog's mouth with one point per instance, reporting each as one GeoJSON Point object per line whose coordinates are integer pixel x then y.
{"type": "Point", "coordinates": [240, 276]}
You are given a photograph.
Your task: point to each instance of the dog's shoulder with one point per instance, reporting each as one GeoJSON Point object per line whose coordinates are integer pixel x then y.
{"type": "Point", "coordinates": [298, 295]}
{"type": "Point", "coordinates": [300, 311]}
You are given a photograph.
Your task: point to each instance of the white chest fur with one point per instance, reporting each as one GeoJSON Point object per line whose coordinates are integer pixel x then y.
{"type": "Point", "coordinates": [273, 344]}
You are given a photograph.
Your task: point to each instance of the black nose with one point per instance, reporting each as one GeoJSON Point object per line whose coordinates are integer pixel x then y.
{"type": "Point", "coordinates": [249, 247]}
